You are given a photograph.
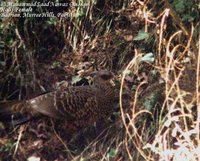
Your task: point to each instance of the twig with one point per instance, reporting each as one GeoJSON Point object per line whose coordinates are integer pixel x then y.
{"type": "Point", "coordinates": [178, 22]}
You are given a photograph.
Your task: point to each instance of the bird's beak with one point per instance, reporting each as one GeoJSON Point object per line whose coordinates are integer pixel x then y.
{"type": "Point", "coordinates": [92, 74]}
{"type": "Point", "coordinates": [106, 75]}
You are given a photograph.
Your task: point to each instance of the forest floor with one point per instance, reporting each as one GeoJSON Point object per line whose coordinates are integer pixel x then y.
{"type": "Point", "coordinates": [154, 54]}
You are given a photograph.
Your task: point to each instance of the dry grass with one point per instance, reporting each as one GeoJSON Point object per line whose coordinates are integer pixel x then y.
{"type": "Point", "coordinates": [177, 135]}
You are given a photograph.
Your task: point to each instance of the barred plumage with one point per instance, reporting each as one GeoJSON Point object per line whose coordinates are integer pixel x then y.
{"type": "Point", "coordinates": [79, 105]}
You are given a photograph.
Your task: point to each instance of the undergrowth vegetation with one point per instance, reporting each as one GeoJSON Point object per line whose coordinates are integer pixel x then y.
{"type": "Point", "coordinates": [153, 49]}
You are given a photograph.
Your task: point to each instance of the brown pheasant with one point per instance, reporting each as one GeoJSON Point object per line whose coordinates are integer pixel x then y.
{"type": "Point", "coordinates": [78, 105]}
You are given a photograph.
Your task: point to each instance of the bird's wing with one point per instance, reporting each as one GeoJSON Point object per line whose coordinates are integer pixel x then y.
{"type": "Point", "coordinates": [70, 104]}
{"type": "Point", "coordinates": [78, 102]}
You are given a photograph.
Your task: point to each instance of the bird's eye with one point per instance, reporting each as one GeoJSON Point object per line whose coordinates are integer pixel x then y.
{"type": "Point", "coordinates": [106, 76]}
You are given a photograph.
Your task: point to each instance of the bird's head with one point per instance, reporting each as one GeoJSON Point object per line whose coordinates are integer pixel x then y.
{"type": "Point", "coordinates": [102, 77]}
{"type": "Point", "coordinates": [102, 74]}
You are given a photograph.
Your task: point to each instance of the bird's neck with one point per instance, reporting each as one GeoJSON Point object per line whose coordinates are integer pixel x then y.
{"type": "Point", "coordinates": [106, 87]}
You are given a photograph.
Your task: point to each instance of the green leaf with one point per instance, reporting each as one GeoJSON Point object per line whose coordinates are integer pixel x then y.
{"type": "Point", "coordinates": [149, 57]}
{"type": "Point", "coordinates": [127, 72]}
{"type": "Point", "coordinates": [188, 17]}
{"type": "Point", "coordinates": [56, 64]}
{"type": "Point", "coordinates": [76, 79]}
{"type": "Point", "coordinates": [180, 6]}
{"type": "Point", "coordinates": [112, 153]}
{"type": "Point", "coordinates": [82, 159]}
{"type": "Point", "coordinates": [150, 101]}
{"type": "Point", "coordinates": [133, 88]}
{"type": "Point", "coordinates": [51, 21]}
{"type": "Point", "coordinates": [2, 46]}
{"type": "Point", "coordinates": [2, 63]}
{"type": "Point", "coordinates": [141, 35]}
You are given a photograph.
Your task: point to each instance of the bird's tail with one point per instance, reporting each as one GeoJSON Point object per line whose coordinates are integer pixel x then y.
{"type": "Point", "coordinates": [13, 112]}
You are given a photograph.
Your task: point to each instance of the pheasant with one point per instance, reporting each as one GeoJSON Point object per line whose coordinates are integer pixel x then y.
{"type": "Point", "coordinates": [78, 105]}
